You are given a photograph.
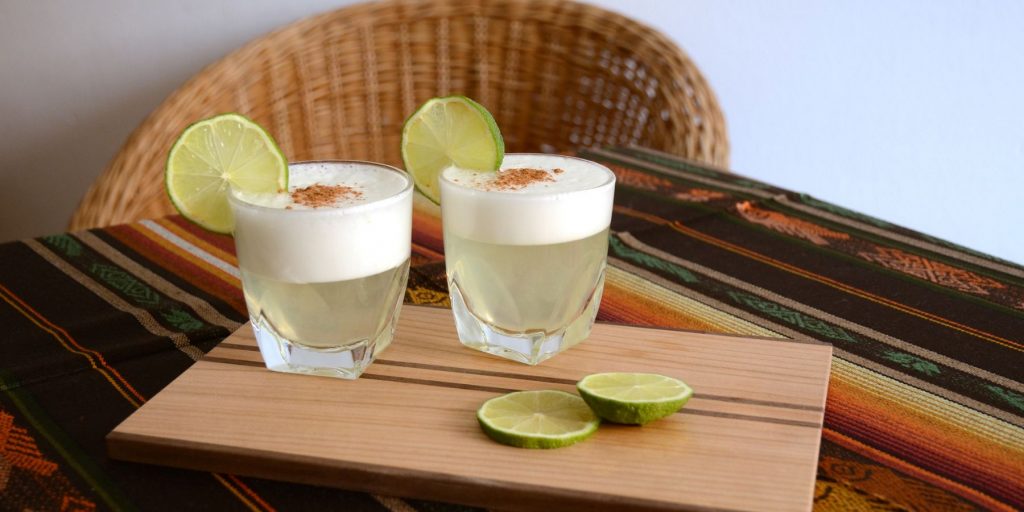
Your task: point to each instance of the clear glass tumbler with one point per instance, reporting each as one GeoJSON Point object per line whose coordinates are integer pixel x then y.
{"type": "Point", "coordinates": [525, 251]}
{"type": "Point", "coordinates": [324, 265]}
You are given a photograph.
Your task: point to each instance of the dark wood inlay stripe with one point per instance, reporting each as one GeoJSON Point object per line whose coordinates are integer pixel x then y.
{"type": "Point", "coordinates": [490, 389]}
{"type": "Point", "coordinates": [763, 419]}
{"type": "Point", "coordinates": [471, 371]}
{"type": "Point", "coordinates": [570, 382]}
{"type": "Point", "coordinates": [240, 362]}
{"type": "Point", "coordinates": [239, 346]}
{"type": "Point", "coordinates": [426, 382]}
{"type": "Point", "coordinates": [767, 403]}
{"type": "Point", "coordinates": [555, 380]}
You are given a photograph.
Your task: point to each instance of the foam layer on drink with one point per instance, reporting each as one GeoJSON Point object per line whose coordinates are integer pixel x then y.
{"type": "Point", "coordinates": [533, 200]}
{"type": "Point", "coordinates": [365, 182]}
{"type": "Point", "coordinates": [338, 221]}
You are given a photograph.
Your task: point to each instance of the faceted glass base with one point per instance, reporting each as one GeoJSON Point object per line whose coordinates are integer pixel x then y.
{"type": "Point", "coordinates": [347, 362]}
{"type": "Point", "coordinates": [530, 347]}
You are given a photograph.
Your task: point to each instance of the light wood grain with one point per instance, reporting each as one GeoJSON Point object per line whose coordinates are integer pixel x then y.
{"type": "Point", "coordinates": [748, 440]}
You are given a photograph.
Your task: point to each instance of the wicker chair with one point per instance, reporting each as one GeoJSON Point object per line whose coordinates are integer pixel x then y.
{"type": "Point", "coordinates": [556, 76]}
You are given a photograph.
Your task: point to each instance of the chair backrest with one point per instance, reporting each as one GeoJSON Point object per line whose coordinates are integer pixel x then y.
{"type": "Point", "coordinates": [557, 75]}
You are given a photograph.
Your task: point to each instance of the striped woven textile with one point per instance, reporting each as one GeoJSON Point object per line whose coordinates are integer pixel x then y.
{"type": "Point", "coordinates": [925, 407]}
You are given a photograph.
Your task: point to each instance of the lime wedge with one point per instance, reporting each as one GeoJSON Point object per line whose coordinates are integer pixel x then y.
{"type": "Point", "coordinates": [214, 154]}
{"type": "Point", "coordinates": [453, 130]}
{"type": "Point", "coordinates": [537, 419]}
{"type": "Point", "coordinates": [633, 398]}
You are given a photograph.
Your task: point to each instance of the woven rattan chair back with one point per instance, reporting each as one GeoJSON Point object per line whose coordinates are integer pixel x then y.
{"type": "Point", "coordinates": [557, 75]}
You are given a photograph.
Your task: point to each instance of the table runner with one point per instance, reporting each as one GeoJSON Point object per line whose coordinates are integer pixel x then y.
{"type": "Point", "coordinates": [925, 407]}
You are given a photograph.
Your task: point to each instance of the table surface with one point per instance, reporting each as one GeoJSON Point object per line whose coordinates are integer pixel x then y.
{"type": "Point", "coordinates": [925, 407]}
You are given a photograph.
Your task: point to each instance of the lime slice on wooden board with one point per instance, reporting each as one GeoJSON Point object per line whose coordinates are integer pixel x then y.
{"type": "Point", "coordinates": [453, 130]}
{"type": "Point", "coordinates": [537, 419]}
{"type": "Point", "coordinates": [215, 154]}
{"type": "Point", "coordinates": [633, 398]}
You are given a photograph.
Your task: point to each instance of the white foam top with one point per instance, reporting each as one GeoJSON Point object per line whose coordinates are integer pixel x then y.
{"type": "Point", "coordinates": [575, 205]}
{"type": "Point", "coordinates": [356, 237]}
{"type": "Point", "coordinates": [371, 184]}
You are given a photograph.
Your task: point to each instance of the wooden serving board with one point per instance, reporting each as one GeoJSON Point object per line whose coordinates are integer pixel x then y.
{"type": "Point", "coordinates": [748, 440]}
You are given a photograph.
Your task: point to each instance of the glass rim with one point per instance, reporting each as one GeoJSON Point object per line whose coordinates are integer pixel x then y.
{"type": "Point", "coordinates": [354, 208]}
{"type": "Point", "coordinates": [611, 179]}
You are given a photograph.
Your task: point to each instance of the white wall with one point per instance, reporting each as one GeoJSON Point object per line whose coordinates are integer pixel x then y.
{"type": "Point", "coordinates": [912, 111]}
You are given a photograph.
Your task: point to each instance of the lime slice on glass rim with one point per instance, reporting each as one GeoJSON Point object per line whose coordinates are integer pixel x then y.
{"type": "Point", "coordinates": [215, 154]}
{"type": "Point", "coordinates": [453, 130]}
{"type": "Point", "coordinates": [537, 419]}
{"type": "Point", "coordinates": [633, 398]}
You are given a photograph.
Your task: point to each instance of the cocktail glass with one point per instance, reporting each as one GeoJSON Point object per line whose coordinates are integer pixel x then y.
{"type": "Point", "coordinates": [525, 251]}
{"type": "Point", "coordinates": [325, 264]}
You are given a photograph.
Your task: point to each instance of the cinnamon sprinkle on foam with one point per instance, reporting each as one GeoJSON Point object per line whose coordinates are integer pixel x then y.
{"type": "Point", "coordinates": [318, 196]}
{"type": "Point", "coordinates": [515, 179]}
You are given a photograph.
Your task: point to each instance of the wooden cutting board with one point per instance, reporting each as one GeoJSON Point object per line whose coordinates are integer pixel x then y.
{"type": "Point", "coordinates": [748, 440]}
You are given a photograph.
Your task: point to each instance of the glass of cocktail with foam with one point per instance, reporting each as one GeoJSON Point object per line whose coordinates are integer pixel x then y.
{"type": "Point", "coordinates": [525, 251]}
{"type": "Point", "coordinates": [324, 265]}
